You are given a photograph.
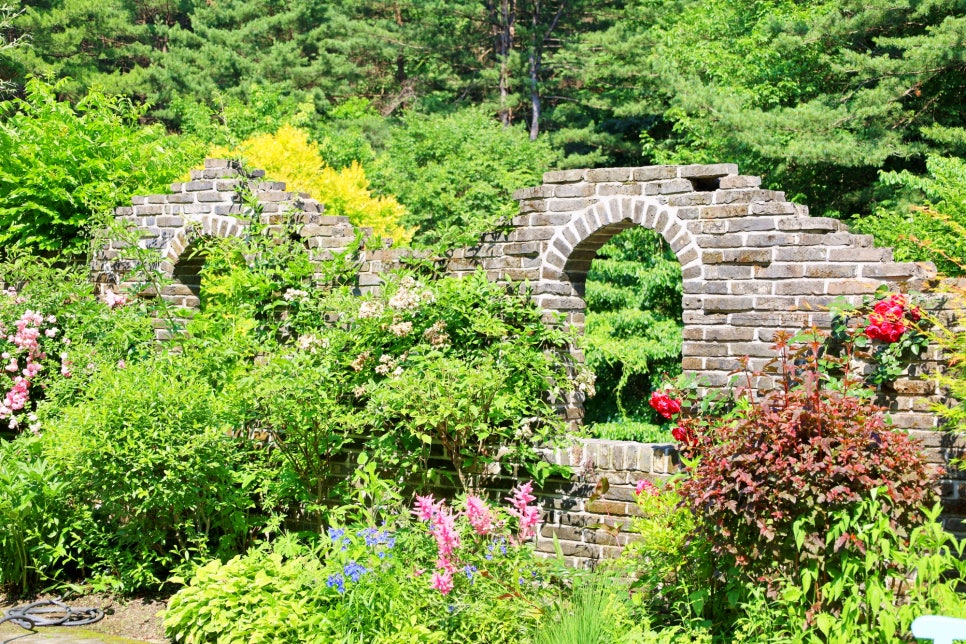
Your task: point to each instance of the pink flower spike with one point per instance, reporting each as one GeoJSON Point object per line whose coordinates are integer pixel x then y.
{"type": "Point", "coordinates": [442, 581]}
{"type": "Point", "coordinates": [426, 507]}
{"type": "Point", "coordinates": [528, 516]}
{"type": "Point", "coordinates": [645, 486]}
{"type": "Point", "coordinates": [478, 514]}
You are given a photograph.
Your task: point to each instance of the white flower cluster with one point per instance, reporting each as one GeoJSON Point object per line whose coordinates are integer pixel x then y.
{"type": "Point", "coordinates": [370, 309]}
{"type": "Point", "coordinates": [410, 295]}
{"type": "Point", "coordinates": [585, 382]}
{"type": "Point", "coordinates": [388, 364]}
{"type": "Point", "coordinates": [436, 335]}
{"type": "Point", "coordinates": [310, 343]}
{"type": "Point", "coordinates": [401, 329]}
{"type": "Point", "coordinates": [293, 294]}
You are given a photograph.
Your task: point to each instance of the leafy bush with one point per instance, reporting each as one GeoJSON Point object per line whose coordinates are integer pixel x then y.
{"type": "Point", "coordinates": [63, 167]}
{"type": "Point", "coordinates": [372, 582]}
{"type": "Point", "coordinates": [461, 363]}
{"type": "Point", "coordinates": [876, 581]}
{"type": "Point", "coordinates": [455, 174]}
{"type": "Point", "coordinates": [802, 450]}
{"type": "Point", "coordinates": [148, 453]}
{"type": "Point", "coordinates": [288, 155]}
{"type": "Point", "coordinates": [36, 518]}
{"type": "Point", "coordinates": [928, 221]}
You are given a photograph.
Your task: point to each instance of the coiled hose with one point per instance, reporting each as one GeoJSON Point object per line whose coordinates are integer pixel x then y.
{"type": "Point", "coordinates": [51, 612]}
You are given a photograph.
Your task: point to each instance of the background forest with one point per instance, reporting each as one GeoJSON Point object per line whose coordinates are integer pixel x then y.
{"type": "Point", "coordinates": [420, 117]}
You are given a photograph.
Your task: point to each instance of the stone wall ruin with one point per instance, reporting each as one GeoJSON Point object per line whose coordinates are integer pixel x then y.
{"type": "Point", "coordinates": [752, 262]}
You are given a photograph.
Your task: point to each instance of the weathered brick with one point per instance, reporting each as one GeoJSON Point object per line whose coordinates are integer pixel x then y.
{"type": "Point", "coordinates": [537, 192]}
{"type": "Point", "coordinates": [728, 303]}
{"type": "Point", "coordinates": [609, 174]}
{"type": "Point", "coordinates": [831, 270]}
{"type": "Point", "coordinates": [668, 187]}
{"type": "Point", "coordinates": [618, 189]}
{"type": "Point", "coordinates": [573, 190]}
{"type": "Point", "coordinates": [707, 171]}
{"type": "Point", "coordinates": [739, 181]}
{"type": "Point", "coordinates": [569, 205]}
{"type": "Point", "coordinates": [723, 212]}
{"type": "Point", "coordinates": [800, 287]}
{"type": "Point", "coordinates": [563, 176]}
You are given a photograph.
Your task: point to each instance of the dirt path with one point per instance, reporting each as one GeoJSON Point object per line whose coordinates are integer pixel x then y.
{"type": "Point", "coordinates": [126, 621]}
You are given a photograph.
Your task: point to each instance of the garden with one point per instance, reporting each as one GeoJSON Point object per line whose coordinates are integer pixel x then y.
{"type": "Point", "coordinates": [302, 463]}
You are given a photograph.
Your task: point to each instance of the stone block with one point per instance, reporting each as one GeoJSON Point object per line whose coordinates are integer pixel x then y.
{"type": "Point", "coordinates": [739, 181]}
{"type": "Point", "coordinates": [793, 254]}
{"type": "Point", "coordinates": [570, 205]}
{"type": "Point", "coordinates": [573, 190]}
{"type": "Point", "coordinates": [537, 192]}
{"type": "Point", "coordinates": [668, 187]}
{"type": "Point", "coordinates": [751, 196]}
{"type": "Point", "coordinates": [690, 199]}
{"type": "Point", "coordinates": [718, 304]}
{"type": "Point", "coordinates": [711, 171]}
{"type": "Point", "coordinates": [618, 189]}
{"type": "Point", "coordinates": [563, 176]}
{"type": "Point", "coordinates": [601, 175]}
{"type": "Point", "coordinates": [723, 212]}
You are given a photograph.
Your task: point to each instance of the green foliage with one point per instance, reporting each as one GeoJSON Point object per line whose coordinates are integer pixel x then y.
{"type": "Point", "coordinates": [456, 173]}
{"type": "Point", "coordinates": [367, 582]}
{"type": "Point", "coordinates": [36, 521]}
{"type": "Point", "coordinates": [927, 222]}
{"type": "Point", "coordinates": [632, 337]}
{"type": "Point", "coordinates": [64, 167]}
{"type": "Point", "coordinates": [598, 611]}
{"type": "Point", "coordinates": [877, 581]}
{"type": "Point", "coordinates": [148, 453]}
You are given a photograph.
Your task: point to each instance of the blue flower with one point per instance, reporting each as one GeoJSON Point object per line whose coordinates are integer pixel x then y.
{"type": "Point", "coordinates": [354, 570]}
{"type": "Point", "coordinates": [338, 534]}
{"type": "Point", "coordinates": [336, 581]}
{"type": "Point", "coordinates": [469, 571]}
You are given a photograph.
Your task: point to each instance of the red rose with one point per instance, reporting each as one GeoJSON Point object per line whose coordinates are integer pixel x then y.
{"type": "Point", "coordinates": [664, 404]}
{"type": "Point", "coordinates": [884, 328]}
{"type": "Point", "coordinates": [679, 434]}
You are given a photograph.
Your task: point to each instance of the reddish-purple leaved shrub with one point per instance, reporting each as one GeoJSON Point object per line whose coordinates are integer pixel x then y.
{"type": "Point", "coordinates": [803, 451]}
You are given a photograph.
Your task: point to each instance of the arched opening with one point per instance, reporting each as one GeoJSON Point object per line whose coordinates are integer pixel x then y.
{"type": "Point", "coordinates": [630, 279]}
{"type": "Point", "coordinates": [183, 294]}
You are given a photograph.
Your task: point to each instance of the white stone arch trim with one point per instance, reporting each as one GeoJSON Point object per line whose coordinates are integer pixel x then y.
{"type": "Point", "coordinates": [203, 225]}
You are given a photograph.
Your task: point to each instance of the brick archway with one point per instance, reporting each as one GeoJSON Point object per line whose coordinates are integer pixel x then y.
{"type": "Point", "coordinates": [752, 262]}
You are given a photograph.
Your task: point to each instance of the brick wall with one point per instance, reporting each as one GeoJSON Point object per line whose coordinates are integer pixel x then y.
{"type": "Point", "coordinates": [753, 263]}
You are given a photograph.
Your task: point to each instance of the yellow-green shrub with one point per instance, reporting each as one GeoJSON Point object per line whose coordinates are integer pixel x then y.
{"type": "Point", "coordinates": [289, 156]}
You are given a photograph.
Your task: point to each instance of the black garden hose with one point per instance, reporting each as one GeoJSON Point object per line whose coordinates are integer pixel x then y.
{"type": "Point", "coordinates": [51, 612]}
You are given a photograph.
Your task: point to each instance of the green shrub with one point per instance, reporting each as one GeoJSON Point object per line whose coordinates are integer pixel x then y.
{"type": "Point", "coordinates": [873, 582]}
{"type": "Point", "coordinates": [928, 220]}
{"type": "Point", "coordinates": [63, 167]}
{"type": "Point", "coordinates": [632, 338]}
{"type": "Point", "coordinates": [148, 452]}
{"type": "Point", "coordinates": [37, 529]}
{"type": "Point", "coordinates": [456, 173]}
